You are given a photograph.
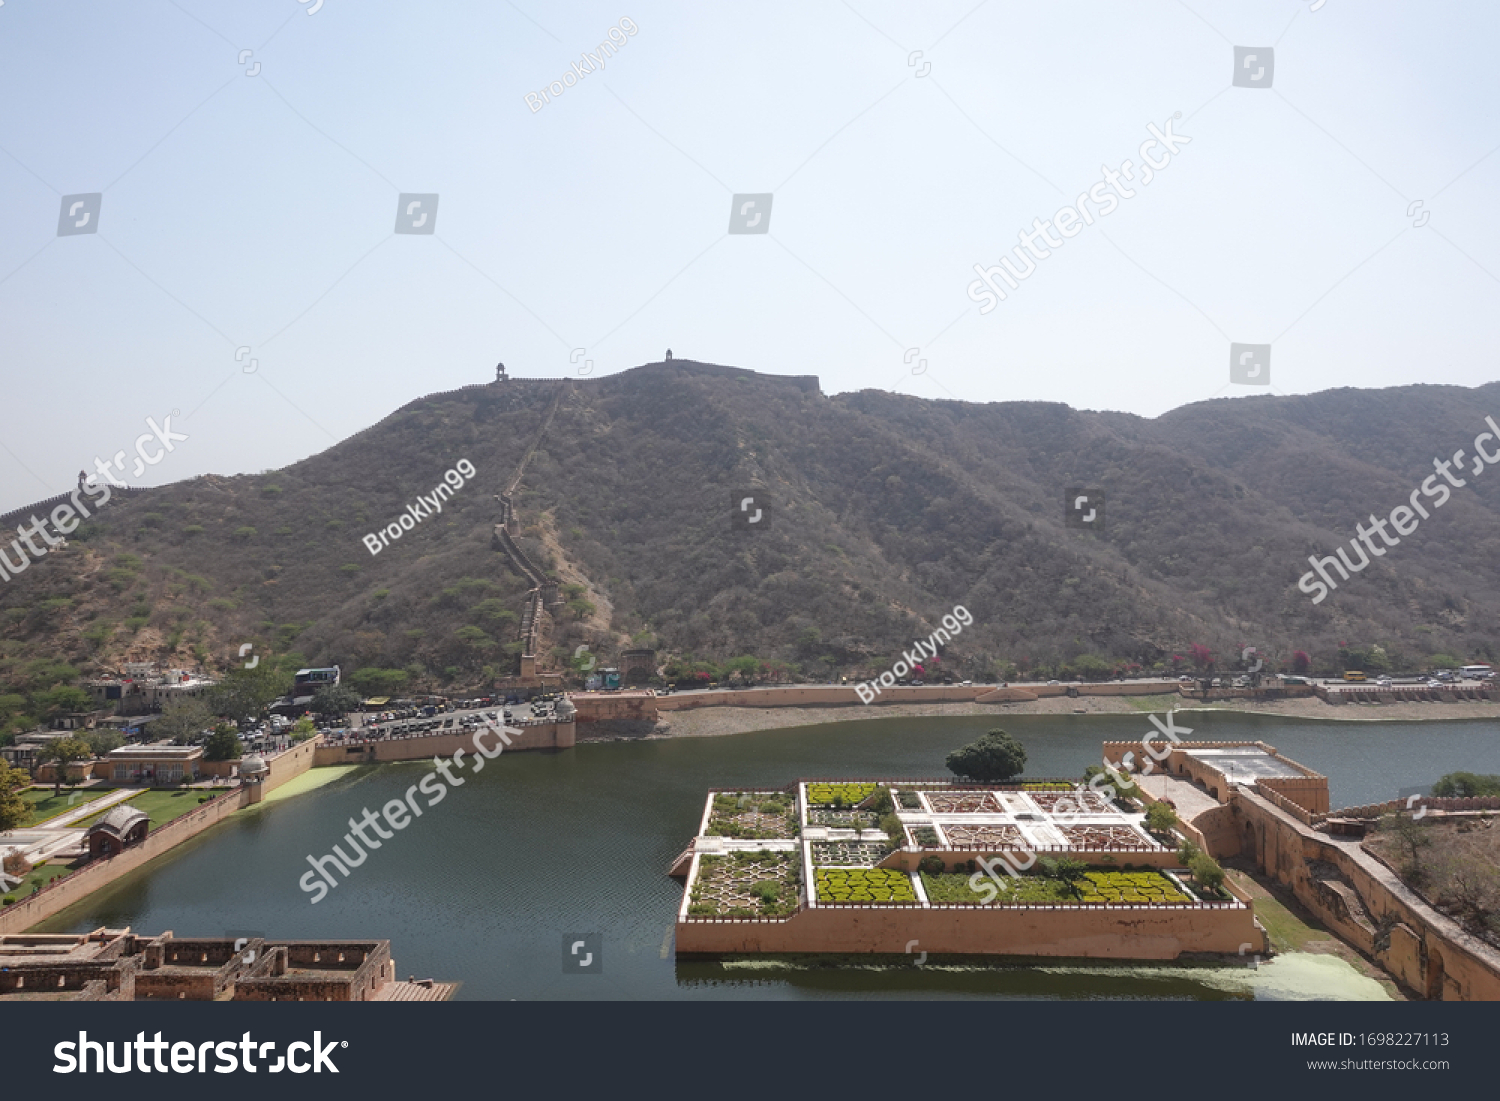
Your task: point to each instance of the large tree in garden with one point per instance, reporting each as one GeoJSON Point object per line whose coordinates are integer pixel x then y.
{"type": "Point", "coordinates": [63, 752]}
{"type": "Point", "coordinates": [223, 744]}
{"type": "Point", "coordinates": [181, 721]}
{"type": "Point", "coordinates": [14, 811]}
{"type": "Point", "coordinates": [245, 692]}
{"type": "Point", "coordinates": [996, 756]}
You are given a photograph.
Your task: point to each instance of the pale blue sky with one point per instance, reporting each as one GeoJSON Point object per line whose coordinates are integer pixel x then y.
{"type": "Point", "coordinates": [258, 210]}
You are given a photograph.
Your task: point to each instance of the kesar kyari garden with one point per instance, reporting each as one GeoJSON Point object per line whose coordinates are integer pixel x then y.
{"type": "Point", "coordinates": [917, 846]}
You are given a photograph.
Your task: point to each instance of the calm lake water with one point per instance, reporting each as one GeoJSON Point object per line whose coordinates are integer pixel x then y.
{"type": "Point", "coordinates": [541, 846]}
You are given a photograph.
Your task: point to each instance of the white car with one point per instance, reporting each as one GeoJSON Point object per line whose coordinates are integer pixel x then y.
{"type": "Point", "coordinates": [1383, 682]}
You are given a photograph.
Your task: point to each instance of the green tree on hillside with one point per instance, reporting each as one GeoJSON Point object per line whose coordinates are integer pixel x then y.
{"type": "Point", "coordinates": [60, 700]}
{"type": "Point", "coordinates": [379, 682]}
{"type": "Point", "coordinates": [995, 757]}
{"type": "Point", "coordinates": [14, 811]}
{"type": "Point", "coordinates": [747, 668]}
{"type": "Point", "coordinates": [1467, 785]}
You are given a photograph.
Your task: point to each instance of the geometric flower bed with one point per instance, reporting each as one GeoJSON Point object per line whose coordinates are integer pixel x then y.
{"type": "Point", "coordinates": [983, 836]}
{"type": "Point", "coordinates": [1089, 836]}
{"type": "Point", "coordinates": [1076, 802]}
{"type": "Point", "coordinates": [863, 885]}
{"type": "Point", "coordinates": [924, 837]}
{"type": "Point", "coordinates": [850, 853]}
{"type": "Point", "coordinates": [1095, 886]}
{"type": "Point", "coordinates": [964, 802]}
{"type": "Point", "coordinates": [1102, 886]}
{"type": "Point", "coordinates": [954, 887]}
{"type": "Point", "coordinates": [847, 819]}
{"type": "Point", "coordinates": [753, 815]}
{"type": "Point", "coordinates": [746, 884]}
{"type": "Point", "coordinates": [846, 794]}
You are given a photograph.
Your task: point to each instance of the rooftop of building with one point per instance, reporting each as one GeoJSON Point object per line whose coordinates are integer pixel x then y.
{"type": "Point", "coordinates": [1246, 764]}
{"type": "Point", "coordinates": [120, 820]}
{"type": "Point", "coordinates": [155, 753]}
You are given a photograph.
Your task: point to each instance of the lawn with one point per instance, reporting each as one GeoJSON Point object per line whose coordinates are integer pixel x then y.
{"type": "Point", "coordinates": [46, 806]}
{"type": "Point", "coordinates": [163, 805]}
{"type": "Point", "coordinates": [43, 874]}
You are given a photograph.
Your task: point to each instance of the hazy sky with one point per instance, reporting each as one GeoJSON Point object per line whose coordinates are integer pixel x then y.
{"type": "Point", "coordinates": [257, 211]}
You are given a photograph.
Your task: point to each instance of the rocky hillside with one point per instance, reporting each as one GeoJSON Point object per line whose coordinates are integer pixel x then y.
{"type": "Point", "coordinates": [884, 512]}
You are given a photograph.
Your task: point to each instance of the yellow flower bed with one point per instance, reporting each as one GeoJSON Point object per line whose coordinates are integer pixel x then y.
{"type": "Point", "coordinates": [848, 794]}
{"type": "Point", "coordinates": [1129, 887]}
{"type": "Point", "coordinates": [863, 885]}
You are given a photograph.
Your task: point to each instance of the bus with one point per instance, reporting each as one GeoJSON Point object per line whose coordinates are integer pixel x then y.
{"type": "Point", "coordinates": [1353, 675]}
{"type": "Point", "coordinates": [1477, 672]}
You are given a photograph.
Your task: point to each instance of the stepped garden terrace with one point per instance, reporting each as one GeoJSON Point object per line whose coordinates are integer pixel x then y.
{"type": "Point", "coordinates": [1040, 868]}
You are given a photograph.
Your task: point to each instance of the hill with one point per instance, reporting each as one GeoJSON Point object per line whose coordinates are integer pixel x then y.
{"type": "Point", "coordinates": [885, 512]}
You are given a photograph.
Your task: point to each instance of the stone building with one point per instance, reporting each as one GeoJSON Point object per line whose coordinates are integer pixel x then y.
{"type": "Point", "coordinates": [637, 666]}
{"type": "Point", "coordinates": [118, 965]}
{"type": "Point", "coordinates": [123, 825]}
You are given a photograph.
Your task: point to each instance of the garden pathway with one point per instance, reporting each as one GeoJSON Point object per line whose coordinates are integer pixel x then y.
{"type": "Point", "coordinates": [83, 810]}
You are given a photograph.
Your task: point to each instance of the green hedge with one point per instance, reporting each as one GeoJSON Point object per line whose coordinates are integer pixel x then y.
{"type": "Point", "coordinates": [847, 794]}
{"type": "Point", "coordinates": [863, 885]}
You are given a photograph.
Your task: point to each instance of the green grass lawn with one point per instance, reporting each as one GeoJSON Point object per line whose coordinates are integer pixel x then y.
{"type": "Point", "coordinates": [162, 805]}
{"type": "Point", "coordinates": [43, 874]}
{"type": "Point", "coordinates": [46, 806]}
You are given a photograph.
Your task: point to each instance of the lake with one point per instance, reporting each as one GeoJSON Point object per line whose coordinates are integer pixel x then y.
{"type": "Point", "coordinates": [485, 886]}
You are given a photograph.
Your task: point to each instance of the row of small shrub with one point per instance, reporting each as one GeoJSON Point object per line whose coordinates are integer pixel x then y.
{"type": "Point", "coordinates": [838, 794]}
{"type": "Point", "coordinates": [863, 885]}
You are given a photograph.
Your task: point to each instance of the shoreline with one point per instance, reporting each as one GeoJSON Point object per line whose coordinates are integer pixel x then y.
{"type": "Point", "coordinates": [714, 722]}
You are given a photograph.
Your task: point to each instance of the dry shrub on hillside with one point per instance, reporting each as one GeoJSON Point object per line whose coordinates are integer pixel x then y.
{"type": "Point", "coordinates": [1463, 873]}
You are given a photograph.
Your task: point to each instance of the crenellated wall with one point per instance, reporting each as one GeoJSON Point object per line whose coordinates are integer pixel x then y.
{"type": "Point", "coordinates": [1077, 932]}
{"type": "Point", "coordinates": [1367, 905]}
{"type": "Point", "coordinates": [531, 736]}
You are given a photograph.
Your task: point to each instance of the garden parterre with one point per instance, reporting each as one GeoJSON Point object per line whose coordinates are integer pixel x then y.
{"type": "Point", "coordinates": [737, 878]}
{"type": "Point", "coordinates": [864, 885]}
